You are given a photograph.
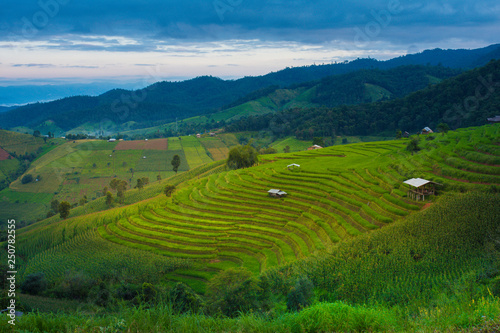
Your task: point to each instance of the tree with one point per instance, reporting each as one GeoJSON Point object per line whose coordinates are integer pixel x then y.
{"type": "Point", "coordinates": [413, 145]}
{"type": "Point", "coordinates": [64, 208]}
{"type": "Point", "coordinates": [232, 291]}
{"type": "Point", "coordinates": [286, 149]}
{"type": "Point", "coordinates": [319, 142]}
{"type": "Point", "coordinates": [141, 182]}
{"type": "Point", "coordinates": [104, 191]}
{"type": "Point", "coordinates": [169, 189]}
{"type": "Point", "coordinates": [158, 177]}
{"type": "Point", "coordinates": [176, 162]}
{"type": "Point", "coordinates": [37, 134]}
{"type": "Point", "coordinates": [27, 179]}
{"type": "Point", "coordinates": [109, 198]}
{"type": "Point", "coordinates": [443, 128]}
{"type": "Point", "coordinates": [399, 134]}
{"type": "Point", "coordinates": [242, 157]}
{"type": "Point", "coordinates": [54, 204]}
{"type": "Point", "coordinates": [83, 200]}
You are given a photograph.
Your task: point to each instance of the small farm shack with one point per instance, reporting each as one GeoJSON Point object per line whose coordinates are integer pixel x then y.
{"type": "Point", "coordinates": [314, 147]}
{"type": "Point", "coordinates": [420, 188]}
{"type": "Point", "coordinates": [293, 166]}
{"type": "Point", "coordinates": [427, 130]}
{"type": "Point", "coordinates": [276, 193]}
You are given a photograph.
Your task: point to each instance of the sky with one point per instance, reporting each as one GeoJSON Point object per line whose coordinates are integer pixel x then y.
{"type": "Point", "coordinates": [141, 42]}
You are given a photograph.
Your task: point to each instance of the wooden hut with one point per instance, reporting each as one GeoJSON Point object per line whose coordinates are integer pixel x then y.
{"type": "Point", "coordinates": [314, 147]}
{"type": "Point", "coordinates": [276, 193]}
{"type": "Point", "coordinates": [420, 188]}
{"type": "Point", "coordinates": [293, 166]}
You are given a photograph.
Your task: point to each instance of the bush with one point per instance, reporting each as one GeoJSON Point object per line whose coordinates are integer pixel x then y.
{"type": "Point", "coordinates": [301, 294]}
{"type": "Point", "coordinates": [184, 298]}
{"type": "Point", "coordinates": [233, 291]}
{"type": "Point", "coordinates": [74, 286]}
{"type": "Point", "coordinates": [242, 157]}
{"type": "Point", "coordinates": [127, 291]}
{"type": "Point", "coordinates": [34, 284]}
{"type": "Point", "coordinates": [27, 179]}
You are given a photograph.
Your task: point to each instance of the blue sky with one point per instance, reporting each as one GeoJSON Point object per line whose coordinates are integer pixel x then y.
{"type": "Point", "coordinates": [144, 42]}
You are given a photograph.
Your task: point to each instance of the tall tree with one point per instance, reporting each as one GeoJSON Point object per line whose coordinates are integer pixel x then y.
{"type": "Point", "coordinates": [109, 198]}
{"type": "Point", "coordinates": [64, 208]}
{"type": "Point", "coordinates": [54, 204]}
{"type": "Point", "coordinates": [176, 162]}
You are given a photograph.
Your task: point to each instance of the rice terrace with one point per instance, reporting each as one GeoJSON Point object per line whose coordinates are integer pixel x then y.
{"type": "Point", "coordinates": [219, 220]}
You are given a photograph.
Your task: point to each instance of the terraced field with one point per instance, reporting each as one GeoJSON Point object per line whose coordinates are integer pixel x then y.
{"type": "Point", "coordinates": [218, 219]}
{"type": "Point", "coordinates": [229, 219]}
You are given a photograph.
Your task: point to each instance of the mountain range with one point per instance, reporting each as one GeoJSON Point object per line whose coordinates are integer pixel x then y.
{"type": "Point", "coordinates": [168, 101]}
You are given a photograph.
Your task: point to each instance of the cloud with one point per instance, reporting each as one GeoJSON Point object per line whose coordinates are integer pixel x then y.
{"type": "Point", "coordinates": [201, 20]}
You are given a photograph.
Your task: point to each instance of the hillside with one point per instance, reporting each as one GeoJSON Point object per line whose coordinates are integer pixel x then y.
{"type": "Point", "coordinates": [346, 229]}
{"type": "Point", "coordinates": [359, 87]}
{"type": "Point", "coordinates": [466, 100]}
{"type": "Point", "coordinates": [228, 219]}
{"type": "Point", "coordinates": [166, 101]}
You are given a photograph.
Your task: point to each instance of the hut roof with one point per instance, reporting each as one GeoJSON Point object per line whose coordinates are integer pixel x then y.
{"type": "Point", "coordinates": [275, 191]}
{"type": "Point", "coordinates": [293, 165]}
{"type": "Point", "coordinates": [417, 182]}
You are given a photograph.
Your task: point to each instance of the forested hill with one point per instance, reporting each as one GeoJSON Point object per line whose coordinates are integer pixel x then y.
{"type": "Point", "coordinates": [165, 101]}
{"type": "Point", "coordinates": [462, 101]}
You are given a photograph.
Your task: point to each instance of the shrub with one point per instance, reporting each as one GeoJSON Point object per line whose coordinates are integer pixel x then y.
{"type": "Point", "coordinates": [34, 284]}
{"type": "Point", "coordinates": [27, 179]}
{"type": "Point", "coordinates": [184, 298]}
{"type": "Point", "coordinates": [232, 291]}
{"type": "Point", "coordinates": [301, 294]}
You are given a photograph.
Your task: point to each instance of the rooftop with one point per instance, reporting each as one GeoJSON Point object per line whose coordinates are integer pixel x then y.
{"type": "Point", "coordinates": [417, 182]}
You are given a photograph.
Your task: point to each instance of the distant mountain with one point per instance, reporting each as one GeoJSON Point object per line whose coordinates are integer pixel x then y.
{"type": "Point", "coordinates": [166, 101]}
{"type": "Point", "coordinates": [24, 94]}
{"type": "Point", "coordinates": [7, 108]}
{"type": "Point", "coordinates": [463, 101]}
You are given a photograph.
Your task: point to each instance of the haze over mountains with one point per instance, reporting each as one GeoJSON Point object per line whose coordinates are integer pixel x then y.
{"type": "Point", "coordinates": [166, 101]}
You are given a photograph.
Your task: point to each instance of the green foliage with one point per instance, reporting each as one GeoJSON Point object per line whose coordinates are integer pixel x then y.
{"type": "Point", "coordinates": [148, 292]}
{"type": "Point", "coordinates": [443, 128]}
{"type": "Point", "coordinates": [34, 284]}
{"type": "Point", "coordinates": [300, 295]}
{"type": "Point", "coordinates": [184, 299]}
{"type": "Point", "coordinates": [169, 189]}
{"type": "Point", "coordinates": [176, 162]}
{"type": "Point", "coordinates": [232, 291]}
{"type": "Point", "coordinates": [109, 198]}
{"type": "Point", "coordinates": [242, 157]}
{"type": "Point", "coordinates": [64, 209]}
{"type": "Point", "coordinates": [318, 141]}
{"type": "Point", "coordinates": [74, 285]}
{"type": "Point", "coordinates": [27, 179]}
{"type": "Point", "coordinates": [265, 151]}
{"type": "Point", "coordinates": [412, 146]}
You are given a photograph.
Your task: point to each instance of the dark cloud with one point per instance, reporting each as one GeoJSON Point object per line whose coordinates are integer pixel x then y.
{"type": "Point", "coordinates": [205, 20]}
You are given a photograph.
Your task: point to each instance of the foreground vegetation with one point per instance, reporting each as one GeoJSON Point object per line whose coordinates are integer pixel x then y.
{"type": "Point", "coordinates": [437, 270]}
